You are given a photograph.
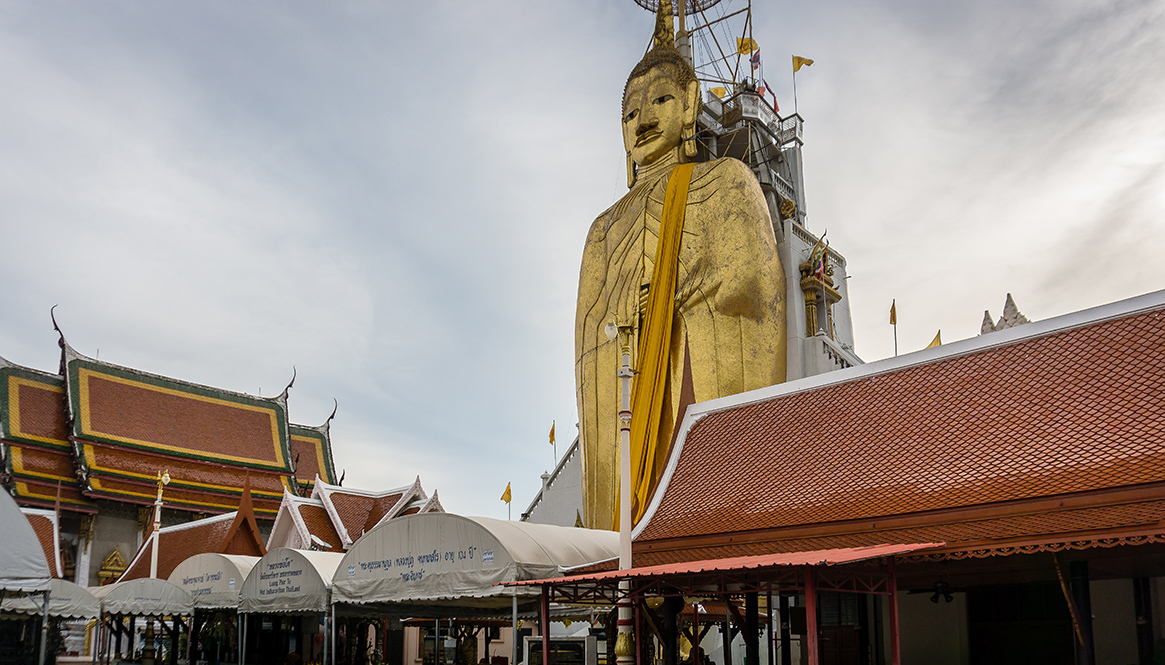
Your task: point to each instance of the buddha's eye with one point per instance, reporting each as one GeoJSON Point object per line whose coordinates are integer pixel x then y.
{"type": "Point", "coordinates": [631, 116]}
{"type": "Point", "coordinates": [660, 100]}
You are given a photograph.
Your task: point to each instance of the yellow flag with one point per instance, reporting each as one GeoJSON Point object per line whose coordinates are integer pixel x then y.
{"type": "Point", "coordinates": [893, 314]}
{"type": "Point", "coordinates": [719, 92]}
{"type": "Point", "coordinates": [506, 495]}
{"type": "Point", "coordinates": [799, 62]}
{"type": "Point", "coordinates": [937, 341]}
{"type": "Point", "coordinates": [552, 432]}
{"type": "Point", "coordinates": [746, 45]}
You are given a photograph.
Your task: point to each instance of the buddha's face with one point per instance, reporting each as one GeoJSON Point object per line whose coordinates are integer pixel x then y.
{"type": "Point", "coordinates": [653, 115]}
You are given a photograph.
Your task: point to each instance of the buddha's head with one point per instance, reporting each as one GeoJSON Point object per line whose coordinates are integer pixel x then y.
{"type": "Point", "coordinates": [660, 102]}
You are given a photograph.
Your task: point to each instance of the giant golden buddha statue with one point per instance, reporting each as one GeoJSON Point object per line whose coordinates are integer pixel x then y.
{"type": "Point", "coordinates": [715, 323]}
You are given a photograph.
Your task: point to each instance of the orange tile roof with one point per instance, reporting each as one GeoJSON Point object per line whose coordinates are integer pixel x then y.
{"type": "Point", "coordinates": [35, 411]}
{"type": "Point", "coordinates": [192, 486]}
{"type": "Point", "coordinates": [1048, 410]}
{"type": "Point", "coordinates": [134, 410]}
{"type": "Point", "coordinates": [178, 543]}
{"type": "Point", "coordinates": [318, 524]}
{"type": "Point", "coordinates": [45, 527]}
{"type": "Point", "coordinates": [359, 512]}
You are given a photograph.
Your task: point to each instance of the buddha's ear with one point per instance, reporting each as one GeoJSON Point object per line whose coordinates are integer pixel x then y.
{"type": "Point", "coordinates": [691, 102]}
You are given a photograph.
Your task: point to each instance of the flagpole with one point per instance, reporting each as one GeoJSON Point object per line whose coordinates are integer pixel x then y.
{"type": "Point", "coordinates": [794, 89]}
{"type": "Point", "coordinates": [894, 322]}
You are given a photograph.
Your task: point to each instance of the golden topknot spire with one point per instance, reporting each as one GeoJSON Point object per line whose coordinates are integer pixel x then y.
{"type": "Point", "coordinates": [665, 31]}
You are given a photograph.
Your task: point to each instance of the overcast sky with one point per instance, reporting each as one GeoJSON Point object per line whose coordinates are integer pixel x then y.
{"type": "Point", "coordinates": [393, 197]}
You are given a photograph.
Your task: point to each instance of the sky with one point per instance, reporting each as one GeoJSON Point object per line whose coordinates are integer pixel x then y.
{"type": "Point", "coordinates": [392, 198]}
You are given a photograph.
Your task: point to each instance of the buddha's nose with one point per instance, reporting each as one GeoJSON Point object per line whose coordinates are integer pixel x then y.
{"type": "Point", "coordinates": [646, 124]}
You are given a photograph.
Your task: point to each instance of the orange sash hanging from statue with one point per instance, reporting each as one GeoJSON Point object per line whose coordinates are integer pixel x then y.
{"type": "Point", "coordinates": [648, 393]}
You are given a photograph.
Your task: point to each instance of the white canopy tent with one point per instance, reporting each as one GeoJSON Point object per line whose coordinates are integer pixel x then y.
{"type": "Point", "coordinates": [214, 581]}
{"type": "Point", "coordinates": [439, 564]}
{"type": "Point", "coordinates": [23, 567]}
{"type": "Point", "coordinates": [143, 597]}
{"type": "Point", "coordinates": [288, 581]}
{"type": "Point", "coordinates": [67, 601]}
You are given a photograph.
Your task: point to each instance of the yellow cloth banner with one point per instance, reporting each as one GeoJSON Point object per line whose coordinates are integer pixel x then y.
{"type": "Point", "coordinates": [719, 92]}
{"type": "Point", "coordinates": [799, 62]}
{"type": "Point", "coordinates": [746, 45]}
{"type": "Point", "coordinates": [647, 395]}
{"type": "Point", "coordinates": [506, 496]}
{"type": "Point", "coordinates": [552, 431]}
{"type": "Point", "coordinates": [893, 314]}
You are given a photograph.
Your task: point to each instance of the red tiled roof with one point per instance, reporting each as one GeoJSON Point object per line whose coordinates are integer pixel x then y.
{"type": "Point", "coordinates": [177, 543]}
{"type": "Point", "coordinates": [46, 532]}
{"type": "Point", "coordinates": [189, 486]}
{"type": "Point", "coordinates": [1072, 411]}
{"type": "Point", "coordinates": [134, 410]}
{"type": "Point", "coordinates": [357, 511]}
{"type": "Point", "coordinates": [318, 524]}
{"type": "Point", "coordinates": [36, 412]}
{"type": "Point", "coordinates": [36, 474]}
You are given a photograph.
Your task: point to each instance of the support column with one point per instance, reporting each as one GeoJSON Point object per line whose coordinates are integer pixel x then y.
{"type": "Point", "coordinates": [545, 627]}
{"type": "Point", "coordinates": [1085, 653]}
{"type": "Point", "coordinates": [811, 613]}
{"type": "Point", "coordinates": [751, 630]}
{"type": "Point", "coordinates": [726, 635]}
{"type": "Point", "coordinates": [895, 644]}
{"type": "Point", "coordinates": [672, 607]}
{"type": "Point", "coordinates": [770, 635]}
{"type": "Point", "coordinates": [786, 634]}
{"type": "Point", "coordinates": [514, 624]}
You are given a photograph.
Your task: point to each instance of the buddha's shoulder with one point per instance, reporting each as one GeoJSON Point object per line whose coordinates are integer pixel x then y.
{"type": "Point", "coordinates": [723, 171]}
{"type": "Point", "coordinates": [599, 227]}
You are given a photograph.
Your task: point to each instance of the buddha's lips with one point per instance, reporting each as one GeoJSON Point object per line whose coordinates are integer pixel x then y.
{"type": "Point", "coordinates": [649, 136]}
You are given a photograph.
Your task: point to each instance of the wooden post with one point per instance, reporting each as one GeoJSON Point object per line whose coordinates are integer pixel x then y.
{"type": "Point", "coordinates": [545, 627]}
{"type": "Point", "coordinates": [811, 613]}
{"type": "Point", "coordinates": [895, 646]}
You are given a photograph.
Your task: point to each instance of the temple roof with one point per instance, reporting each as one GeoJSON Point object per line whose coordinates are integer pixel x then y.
{"type": "Point", "coordinates": [1039, 434]}
{"type": "Point", "coordinates": [303, 523]}
{"type": "Point", "coordinates": [34, 439]}
{"type": "Point", "coordinates": [128, 425]}
{"type": "Point", "coordinates": [311, 455]}
{"type": "Point", "coordinates": [230, 533]}
{"type": "Point", "coordinates": [48, 532]}
{"type": "Point", "coordinates": [177, 543]}
{"type": "Point", "coordinates": [353, 511]}
{"type": "Point", "coordinates": [334, 517]}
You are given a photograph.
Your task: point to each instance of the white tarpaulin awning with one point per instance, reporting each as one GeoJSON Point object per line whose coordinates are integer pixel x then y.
{"type": "Point", "coordinates": [439, 559]}
{"type": "Point", "coordinates": [66, 601]}
{"type": "Point", "coordinates": [290, 581]}
{"type": "Point", "coordinates": [22, 563]}
{"type": "Point", "coordinates": [145, 596]}
{"type": "Point", "coordinates": [213, 580]}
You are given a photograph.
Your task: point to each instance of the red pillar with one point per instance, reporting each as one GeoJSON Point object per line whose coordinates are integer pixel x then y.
{"type": "Point", "coordinates": [811, 613]}
{"type": "Point", "coordinates": [895, 648]}
{"type": "Point", "coordinates": [545, 627]}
